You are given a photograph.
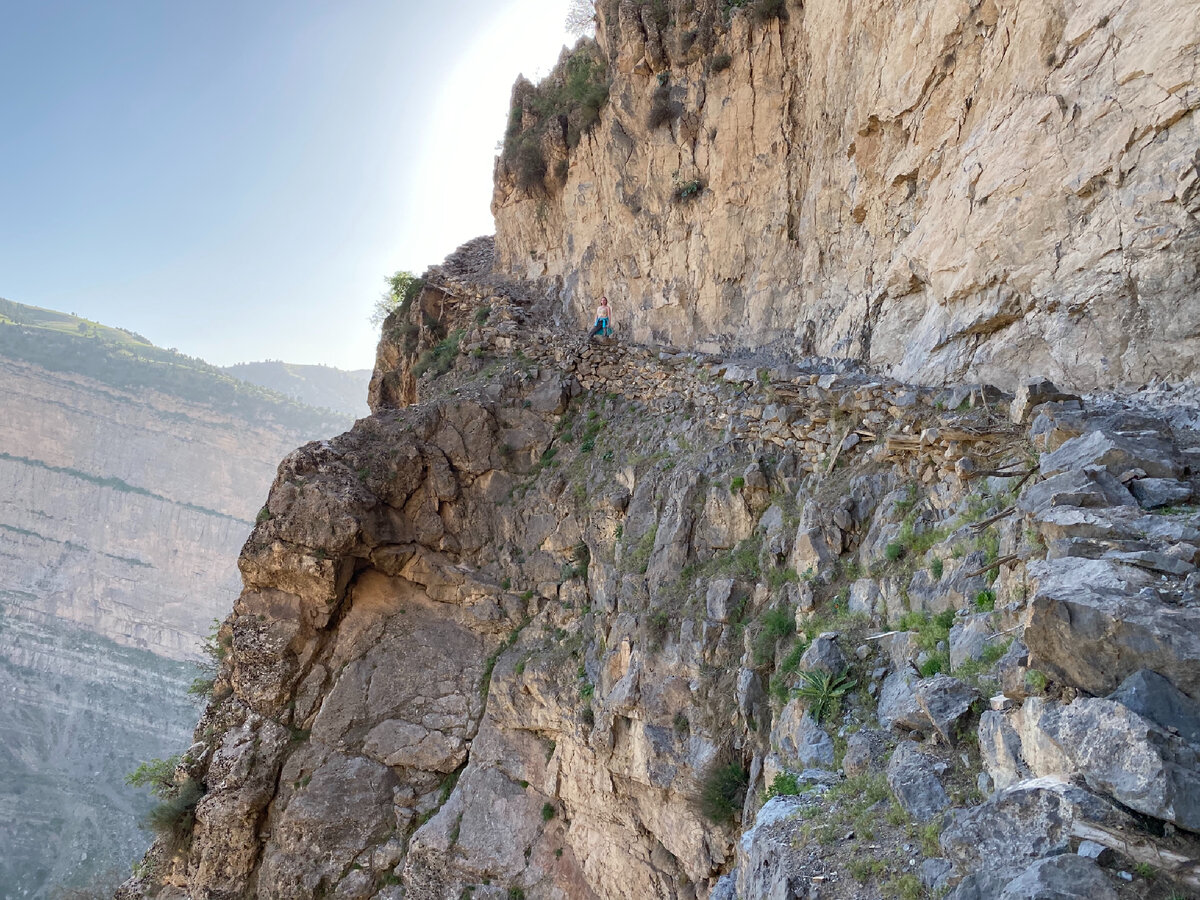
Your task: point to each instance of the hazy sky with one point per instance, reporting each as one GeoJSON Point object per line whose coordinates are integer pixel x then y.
{"type": "Point", "coordinates": [235, 179]}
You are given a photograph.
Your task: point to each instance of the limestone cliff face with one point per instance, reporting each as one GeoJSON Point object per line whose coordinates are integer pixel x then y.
{"type": "Point", "coordinates": [966, 191]}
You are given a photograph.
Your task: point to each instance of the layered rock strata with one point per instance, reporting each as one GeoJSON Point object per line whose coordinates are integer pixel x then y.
{"type": "Point", "coordinates": [121, 516]}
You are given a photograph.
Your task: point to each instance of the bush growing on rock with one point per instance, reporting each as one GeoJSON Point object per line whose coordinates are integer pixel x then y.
{"type": "Point", "coordinates": [403, 288]}
{"type": "Point", "coordinates": [783, 785]}
{"type": "Point", "coordinates": [173, 819]}
{"type": "Point", "coordinates": [570, 98]}
{"type": "Point", "coordinates": [663, 109]}
{"type": "Point", "coordinates": [824, 690]}
{"type": "Point", "coordinates": [722, 792]}
{"type": "Point", "coordinates": [768, 10]}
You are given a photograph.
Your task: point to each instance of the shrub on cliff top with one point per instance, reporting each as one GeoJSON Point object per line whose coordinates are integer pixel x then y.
{"type": "Point", "coordinates": [570, 98]}
{"type": "Point", "coordinates": [403, 288]}
{"type": "Point", "coordinates": [766, 10]}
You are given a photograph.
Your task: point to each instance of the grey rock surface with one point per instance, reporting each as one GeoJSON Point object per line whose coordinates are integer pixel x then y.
{"type": "Point", "coordinates": [1063, 877]}
{"type": "Point", "coordinates": [898, 707]}
{"type": "Point", "coordinates": [1128, 758]}
{"type": "Point", "coordinates": [1089, 626]}
{"type": "Point", "coordinates": [824, 655]}
{"type": "Point", "coordinates": [864, 752]}
{"type": "Point", "coordinates": [800, 740]}
{"type": "Point", "coordinates": [1150, 695]}
{"type": "Point", "coordinates": [1152, 493]}
{"type": "Point", "coordinates": [1022, 824]}
{"type": "Point", "coordinates": [946, 702]}
{"type": "Point", "coordinates": [1033, 393]}
{"type": "Point", "coordinates": [915, 784]}
{"type": "Point", "coordinates": [1118, 452]}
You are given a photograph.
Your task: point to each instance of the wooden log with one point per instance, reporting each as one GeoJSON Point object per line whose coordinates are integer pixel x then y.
{"type": "Point", "coordinates": [1002, 561]}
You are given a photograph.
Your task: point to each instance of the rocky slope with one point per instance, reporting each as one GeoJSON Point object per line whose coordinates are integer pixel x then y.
{"type": "Point", "coordinates": [965, 191]}
{"type": "Point", "coordinates": [616, 621]}
{"type": "Point", "coordinates": [122, 509]}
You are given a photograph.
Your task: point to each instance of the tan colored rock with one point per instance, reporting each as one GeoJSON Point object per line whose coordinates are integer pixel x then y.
{"type": "Point", "coordinates": [960, 192]}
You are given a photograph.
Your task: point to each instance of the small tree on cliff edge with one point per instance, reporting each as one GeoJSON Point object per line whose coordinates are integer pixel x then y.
{"type": "Point", "coordinates": [402, 288]}
{"type": "Point", "coordinates": [581, 18]}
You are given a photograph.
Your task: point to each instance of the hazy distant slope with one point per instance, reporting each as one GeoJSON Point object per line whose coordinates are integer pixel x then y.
{"type": "Point", "coordinates": [336, 389]}
{"type": "Point", "coordinates": [63, 342]}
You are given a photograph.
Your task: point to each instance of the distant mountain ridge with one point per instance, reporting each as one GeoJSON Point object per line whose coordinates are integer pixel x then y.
{"type": "Point", "coordinates": [65, 342]}
{"type": "Point", "coordinates": [322, 386]}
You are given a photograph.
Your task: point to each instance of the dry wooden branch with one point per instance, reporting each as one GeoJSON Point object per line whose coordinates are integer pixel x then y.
{"type": "Point", "coordinates": [1002, 561]}
{"type": "Point", "coordinates": [1025, 478]}
{"type": "Point", "coordinates": [979, 526]}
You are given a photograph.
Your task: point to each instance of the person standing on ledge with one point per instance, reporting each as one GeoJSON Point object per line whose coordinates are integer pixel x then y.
{"type": "Point", "coordinates": [602, 314]}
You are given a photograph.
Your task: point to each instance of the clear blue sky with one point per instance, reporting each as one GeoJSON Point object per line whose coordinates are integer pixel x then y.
{"type": "Point", "coordinates": [235, 179]}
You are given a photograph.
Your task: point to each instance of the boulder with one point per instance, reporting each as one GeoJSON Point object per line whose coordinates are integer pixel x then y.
{"type": "Point", "coordinates": [1000, 750]}
{"type": "Point", "coordinates": [1152, 561]}
{"type": "Point", "coordinates": [1153, 697]}
{"type": "Point", "coordinates": [969, 639]}
{"type": "Point", "coordinates": [1095, 488]}
{"type": "Point", "coordinates": [750, 694]}
{"type": "Point", "coordinates": [718, 601]}
{"type": "Point", "coordinates": [1001, 838]}
{"type": "Point", "coordinates": [1152, 493]}
{"type": "Point", "coordinates": [1033, 393]}
{"type": "Point", "coordinates": [824, 655]}
{"type": "Point", "coordinates": [935, 873]}
{"type": "Point", "coordinates": [810, 551]}
{"type": "Point", "coordinates": [1118, 452]}
{"type": "Point", "coordinates": [552, 397]}
{"type": "Point", "coordinates": [946, 702]}
{"type": "Point", "coordinates": [800, 740]}
{"type": "Point", "coordinates": [915, 784]}
{"type": "Point", "coordinates": [864, 597]}
{"type": "Point", "coordinates": [864, 752]}
{"type": "Point", "coordinates": [1064, 877]}
{"type": "Point", "coordinates": [1059, 523]}
{"type": "Point", "coordinates": [1041, 752]}
{"type": "Point", "coordinates": [898, 707]}
{"type": "Point", "coordinates": [1127, 757]}
{"type": "Point", "coordinates": [1089, 627]}
{"type": "Point", "coordinates": [764, 867]}
{"type": "Point", "coordinates": [1011, 668]}
{"type": "Point", "coordinates": [901, 648]}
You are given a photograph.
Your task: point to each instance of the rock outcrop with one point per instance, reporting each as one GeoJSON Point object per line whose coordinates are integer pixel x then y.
{"type": "Point", "coordinates": [577, 622]}
{"type": "Point", "coordinates": [822, 579]}
{"type": "Point", "coordinates": [954, 192]}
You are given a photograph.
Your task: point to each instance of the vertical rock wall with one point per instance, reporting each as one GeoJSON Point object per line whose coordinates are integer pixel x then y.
{"type": "Point", "coordinates": [951, 191]}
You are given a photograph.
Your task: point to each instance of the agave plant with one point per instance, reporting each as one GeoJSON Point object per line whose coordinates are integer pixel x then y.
{"type": "Point", "coordinates": [823, 689]}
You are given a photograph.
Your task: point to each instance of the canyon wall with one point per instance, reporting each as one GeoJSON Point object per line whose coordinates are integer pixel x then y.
{"type": "Point", "coordinates": [121, 517]}
{"type": "Point", "coordinates": [963, 191]}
